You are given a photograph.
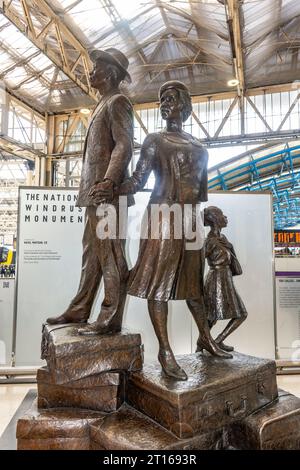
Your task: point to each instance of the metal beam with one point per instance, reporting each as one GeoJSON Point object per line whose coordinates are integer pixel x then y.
{"type": "Point", "coordinates": [258, 113]}
{"type": "Point", "coordinates": [71, 128]}
{"type": "Point", "coordinates": [139, 120]}
{"type": "Point", "coordinates": [235, 36]}
{"type": "Point", "coordinates": [60, 57]}
{"type": "Point", "coordinates": [184, 14]}
{"type": "Point", "coordinates": [194, 115]}
{"type": "Point", "coordinates": [289, 112]}
{"type": "Point", "coordinates": [273, 137]}
{"type": "Point", "coordinates": [18, 63]}
{"type": "Point", "coordinates": [117, 20]}
{"type": "Point", "coordinates": [53, 81]}
{"type": "Point", "coordinates": [163, 14]}
{"type": "Point", "coordinates": [18, 149]}
{"type": "Point", "coordinates": [27, 14]}
{"type": "Point", "coordinates": [225, 119]}
{"type": "Point", "coordinates": [25, 62]}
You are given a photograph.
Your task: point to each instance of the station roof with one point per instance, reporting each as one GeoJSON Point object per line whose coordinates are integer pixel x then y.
{"type": "Point", "coordinates": [273, 168]}
{"type": "Point", "coordinates": [44, 46]}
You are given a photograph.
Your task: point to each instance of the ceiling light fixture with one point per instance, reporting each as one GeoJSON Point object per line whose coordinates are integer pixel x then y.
{"type": "Point", "coordinates": [85, 111]}
{"type": "Point", "coordinates": [233, 82]}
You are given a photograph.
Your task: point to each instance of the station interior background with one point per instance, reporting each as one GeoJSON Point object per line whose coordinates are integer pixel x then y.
{"type": "Point", "coordinates": [241, 62]}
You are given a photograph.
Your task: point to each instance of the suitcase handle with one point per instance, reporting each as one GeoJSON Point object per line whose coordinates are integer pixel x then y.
{"type": "Point", "coordinates": [239, 412]}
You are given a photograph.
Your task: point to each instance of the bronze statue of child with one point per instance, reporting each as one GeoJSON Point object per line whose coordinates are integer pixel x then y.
{"type": "Point", "coordinates": [221, 298]}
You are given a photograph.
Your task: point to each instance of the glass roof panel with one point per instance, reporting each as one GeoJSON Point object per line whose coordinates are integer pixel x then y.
{"type": "Point", "coordinates": [91, 17]}
{"type": "Point", "coordinates": [270, 32]}
{"type": "Point", "coordinates": [131, 8]}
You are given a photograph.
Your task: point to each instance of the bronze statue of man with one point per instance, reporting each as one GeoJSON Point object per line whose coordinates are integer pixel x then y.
{"type": "Point", "coordinates": [107, 152]}
{"type": "Point", "coordinates": [165, 269]}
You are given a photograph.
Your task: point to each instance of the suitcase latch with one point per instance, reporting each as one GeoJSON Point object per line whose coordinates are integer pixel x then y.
{"type": "Point", "coordinates": [239, 412]}
{"type": "Point", "coordinates": [260, 387]}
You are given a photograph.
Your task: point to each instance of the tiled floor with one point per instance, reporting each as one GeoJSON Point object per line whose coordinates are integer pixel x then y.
{"type": "Point", "coordinates": [290, 383]}
{"type": "Point", "coordinates": [11, 396]}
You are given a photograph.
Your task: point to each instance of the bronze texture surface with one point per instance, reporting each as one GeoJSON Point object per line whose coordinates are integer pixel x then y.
{"type": "Point", "coordinates": [101, 392]}
{"type": "Point", "coordinates": [107, 152]}
{"type": "Point", "coordinates": [128, 429]}
{"type": "Point", "coordinates": [66, 428]}
{"type": "Point", "coordinates": [166, 267]}
{"type": "Point", "coordinates": [72, 357]}
{"type": "Point", "coordinates": [276, 426]}
{"type": "Point", "coordinates": [216, 393]}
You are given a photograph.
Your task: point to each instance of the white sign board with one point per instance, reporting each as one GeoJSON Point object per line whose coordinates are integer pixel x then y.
{"type": "Point", "coordinates": [250, 230]}
{"type": "Point", "coordinates": [50, 258]}
{"type": "Point", "coordinates": [7, 289]}
{"type": "Point", "coordinates": [288, 307]}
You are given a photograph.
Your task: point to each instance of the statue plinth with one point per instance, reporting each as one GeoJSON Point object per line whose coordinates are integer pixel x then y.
{"type": "Point", "coordinates": [128, 429]}
{"type": "Point", "coordinates": [100, 392]}
{"type": "Point", "coordinates": [71, 356]}
{"type": "Point", "coordinates": [276, 426]}
{"type": "Point", "coordinates": [86, 372]}
{"type": "Point", "coordinates": [56, 429]}
{"type": "Point", "coordinates": [91, 395]}
{"type": "Point", "coordinates": [216, 393]}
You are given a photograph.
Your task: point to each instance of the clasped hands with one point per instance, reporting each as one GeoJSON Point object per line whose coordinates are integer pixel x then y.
{"type": "Point", "coordinates": [102, 192]}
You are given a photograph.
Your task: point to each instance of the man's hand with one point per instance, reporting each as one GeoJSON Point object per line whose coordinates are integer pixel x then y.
{"type": "Point", "coordinates": [102, 192]}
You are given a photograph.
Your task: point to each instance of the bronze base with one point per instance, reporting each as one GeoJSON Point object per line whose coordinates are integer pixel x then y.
{"type": "Point", "coordinates": [216, 393]}
{"type": "Point", "coordinates": [128, 429]}
{"type": "Point", "coordinates": [56, 429]}
{"type": "Point", "coordinates": [223, 404]}
{"type": "Point", "coordinates": [100, 392]}
{"type": "Point", "coordinates": [276, 426]}
{"type": "Point", "coordinates": [72, 357]}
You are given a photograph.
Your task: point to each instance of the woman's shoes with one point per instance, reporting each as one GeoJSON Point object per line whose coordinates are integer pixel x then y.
{"type": "Point", "coordinates": [223, 346]}
{"type": "Point", "coordinates": [170, 366]}
{"type": "Point", "coordinates": [213, 348]}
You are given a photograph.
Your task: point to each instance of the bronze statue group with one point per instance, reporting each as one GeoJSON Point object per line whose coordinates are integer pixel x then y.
{"type": "Point", "coordinates": [165, 269]}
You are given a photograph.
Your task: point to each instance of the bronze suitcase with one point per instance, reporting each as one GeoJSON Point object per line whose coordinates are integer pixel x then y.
{"type": "Point", "coordinates": [100, 392]}
{"type": "Point", "coordinates": [217, 393]}
{"type": "Point", "coordinates": [276, 426]}
{"type": "Point", "coordinates": [71, 357]}
{"type": "Point", "coordinates": [128, 429]}
{"type": "Point", "coordinates": [56, 429]}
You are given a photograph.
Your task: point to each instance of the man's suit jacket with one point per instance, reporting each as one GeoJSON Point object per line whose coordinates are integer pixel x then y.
{"type": "Point", "coordinates": [111, 122]}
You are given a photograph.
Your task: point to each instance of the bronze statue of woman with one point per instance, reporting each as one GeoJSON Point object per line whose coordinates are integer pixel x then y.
{"type": "Point", "coordinates": [221, 298]}
{"type": "Point", "coordinates": [165, 269]}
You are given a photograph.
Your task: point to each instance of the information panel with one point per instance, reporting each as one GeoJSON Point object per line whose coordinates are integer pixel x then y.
{"type": "Point", "coordinates": [288, 307]}
{"type": "Point", "coordinates": [48, 260]}
{"type": "Point", "coordinates": [50, 232]}
{"type": "Point", "coordinates": [250, 230]}
{"type": "Point", "coordinates": [7, 289]}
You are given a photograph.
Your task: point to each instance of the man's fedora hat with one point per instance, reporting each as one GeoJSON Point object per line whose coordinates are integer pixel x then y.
{"type": "Point", "coordinates": [112, 56]}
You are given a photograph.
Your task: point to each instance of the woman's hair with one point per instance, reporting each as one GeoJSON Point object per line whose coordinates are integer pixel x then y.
{"type": "Point", "coordinates": [211, 215]}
